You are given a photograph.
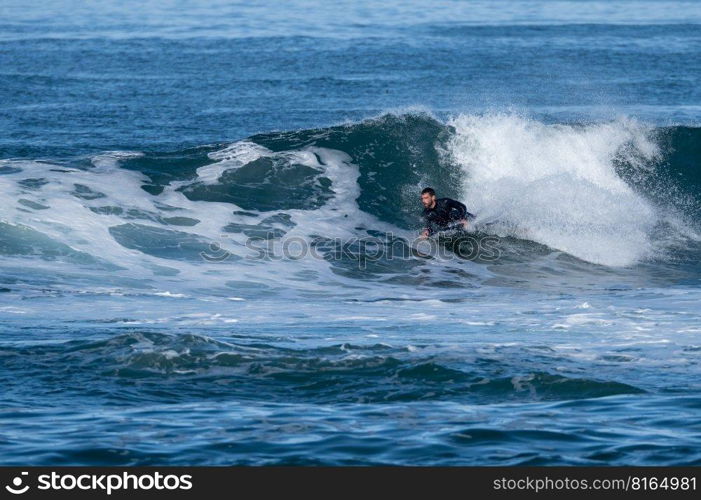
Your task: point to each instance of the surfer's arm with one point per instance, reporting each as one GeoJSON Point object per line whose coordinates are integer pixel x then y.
{"type": "Point", "coordinates": [459, 207]}
{"type": "Point", "coordinates": [461, 211]}
{"type": "Point", "coordinates": [428, 229]}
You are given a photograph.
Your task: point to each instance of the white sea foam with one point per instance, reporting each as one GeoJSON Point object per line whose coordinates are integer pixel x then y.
{"type": "Point", "coordinates": [69, 220]}
{"type": "Point", "coordinates": [557, 184]}
{"type": "Point", "coordinates": [233, 156]}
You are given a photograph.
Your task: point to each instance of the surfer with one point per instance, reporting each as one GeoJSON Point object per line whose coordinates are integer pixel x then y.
{"type": "Point", "coordinates": [442, 213]}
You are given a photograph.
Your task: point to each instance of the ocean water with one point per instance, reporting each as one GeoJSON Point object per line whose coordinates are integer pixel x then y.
{"type": "Point", "coordinates": [208, 246]}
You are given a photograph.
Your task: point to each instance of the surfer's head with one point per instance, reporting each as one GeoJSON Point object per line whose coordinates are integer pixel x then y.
{"type": "Point", "coordinates": [428, 197]}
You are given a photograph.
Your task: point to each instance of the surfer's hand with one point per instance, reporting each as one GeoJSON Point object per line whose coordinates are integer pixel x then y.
{"type": "Point", "coordinates": [464, 223]}
{"type": "Point", "coordinates": [424, 234]}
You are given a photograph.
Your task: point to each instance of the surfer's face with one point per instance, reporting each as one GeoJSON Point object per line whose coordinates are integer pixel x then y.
{"type": "Point", "coordinates": [428, 199]}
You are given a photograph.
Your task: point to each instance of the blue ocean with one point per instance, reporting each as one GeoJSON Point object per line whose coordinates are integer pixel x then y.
{"type": "Point", "coordinates": [209, 221]}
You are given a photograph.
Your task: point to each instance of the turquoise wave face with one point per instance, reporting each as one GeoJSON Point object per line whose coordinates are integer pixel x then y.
{"type": "Point", "coordinates": [398, 153]}
{"type": "Point", "coordinates": [617, 199]}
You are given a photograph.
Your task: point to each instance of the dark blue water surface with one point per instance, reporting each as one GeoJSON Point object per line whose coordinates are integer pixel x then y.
{"type": "Point", "coordinates": [207, 235]}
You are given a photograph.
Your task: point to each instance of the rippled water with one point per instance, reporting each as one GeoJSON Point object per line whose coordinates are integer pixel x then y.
{"type": "Point", "coordinates": [208, 246]}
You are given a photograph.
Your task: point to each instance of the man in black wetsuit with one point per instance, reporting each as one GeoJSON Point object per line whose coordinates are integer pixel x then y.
{"type": "Point", "coordinates": [442, 213]}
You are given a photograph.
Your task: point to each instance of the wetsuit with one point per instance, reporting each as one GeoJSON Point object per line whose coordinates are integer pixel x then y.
{"type": "Point", "coordinates": [443, 213]}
